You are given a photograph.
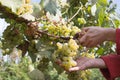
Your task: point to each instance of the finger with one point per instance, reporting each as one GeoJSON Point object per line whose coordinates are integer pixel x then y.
{"type": "Point", "coordinates": [81, 34]}
{"type": "Point", "coordinates": [86, 44]}
{"type": "Point", "coordinates": [92, 44]}
{"type": "Point", "coordinates": [87, 41]}
{"type": "Point", "coordinates": [89, 44]}
{"type": "Point", "coordinates": [83, 67]}
{"type": "Point", "coordinates": [74, 69]}
{"type": "Point", "coordinates": [79, 59]}
{"type": "Point", "coordinates": [78, 35]}
{"type": "Point", "coordinates": [83, 39]}
{"type": "Point", "coordinates": [85, 29]}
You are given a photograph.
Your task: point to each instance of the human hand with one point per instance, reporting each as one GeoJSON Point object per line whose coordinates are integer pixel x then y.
{"type": "Point", "coordinates": [84, 63]}
{"type": "Point", "coordinates": [96, 35]}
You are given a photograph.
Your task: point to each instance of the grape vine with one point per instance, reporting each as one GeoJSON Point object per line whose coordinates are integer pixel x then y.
{"type": "Point", "coordinates": [51, 36]}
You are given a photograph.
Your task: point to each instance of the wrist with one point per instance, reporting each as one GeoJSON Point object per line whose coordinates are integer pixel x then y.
{"type": "Point", "coordinates": [99, 63]}
{"type": "Point", "coordinates": [110, 34]}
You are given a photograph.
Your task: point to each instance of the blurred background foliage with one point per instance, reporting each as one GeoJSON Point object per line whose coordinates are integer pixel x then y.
{"type": "Point", "coordinates": [21, 53]}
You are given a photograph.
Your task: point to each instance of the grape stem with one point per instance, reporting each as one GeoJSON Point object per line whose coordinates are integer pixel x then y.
{"type": "Point", "coordinates": [50, 35]}
{"type": "Point", "coordinates": [35, 31]}
{"type": "Point", "coordinates": [75, 13]}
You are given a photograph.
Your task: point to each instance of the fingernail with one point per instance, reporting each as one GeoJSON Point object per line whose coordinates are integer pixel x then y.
{"type": "Point", "coordinates": [70, 70]}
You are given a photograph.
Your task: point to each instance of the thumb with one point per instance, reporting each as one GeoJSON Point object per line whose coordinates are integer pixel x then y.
{"type": "Point", "coordinates": [74, 69]}
{"type": "Point", "coordinates": [85, 29]}
{"type": "Point", "coordinates": [83, 39]}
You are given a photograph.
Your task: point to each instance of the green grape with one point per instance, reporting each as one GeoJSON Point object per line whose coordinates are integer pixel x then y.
{"type": "Point", "coordinates": [7, 50]}
{"type": "Point", "coordinates": [59, 45]}
{"type": "Point", "coordinates": [72, 54]}
{"type": "Point", "coordinates": [73, 45]}
{"type": "Point", "coordinates": [25, 8]}
{"type": "Point", "coordinates": [74, 30]}
{"type": "Point", "coordinates": [27, 1]}
{"type": "Point", "coordinates": [84, 75]}
{"type": "Point", "coordinates": [60, 29]}
{"type": "Point", "coordinates": [81, 21]}
{"type": "Point", "coordinates": [89, 55]}
{"type": "Point", "coordinates": [73, 63]}
{"type": "Point", "coordinates": [67, 58]}
{"type": "Point", "coordinates": [66, 65]}
{"type": "Point", "coordinates": [66, 52]}
{"type": "Point", "coordinates": [34, 41]}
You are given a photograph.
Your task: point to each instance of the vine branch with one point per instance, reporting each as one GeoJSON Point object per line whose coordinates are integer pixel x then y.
{"type": "Point", "coordinates": [7, 13]}
{"type": "Point", "coordinates": [33, 26]}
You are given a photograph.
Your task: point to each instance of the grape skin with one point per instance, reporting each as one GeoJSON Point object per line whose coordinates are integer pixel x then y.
{"type": "Point", "coordinates": [66, 52]}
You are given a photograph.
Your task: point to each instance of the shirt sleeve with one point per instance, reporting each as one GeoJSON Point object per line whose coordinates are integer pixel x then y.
{"type": "Point", "coordinates": [118, 41]}
{"type": "Point", "coordinates": [112, 61]}
{"type": "Point", "coordinates": [113, 66]}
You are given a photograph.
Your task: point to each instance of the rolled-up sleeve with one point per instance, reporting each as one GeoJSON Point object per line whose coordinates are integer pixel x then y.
{"type": "Point", "coordinates": [118, 41]}
{"type": "Point", "coordinates": [112, 61]}
{"type": "Point", "coordinates": [113, 67]}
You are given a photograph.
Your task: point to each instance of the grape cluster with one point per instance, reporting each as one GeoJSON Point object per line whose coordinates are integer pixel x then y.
{"type": "Point", "coordinates": [67, 52]}
{"type": "Point", "coordinates": [81, 21]}
{"type": "Point", "coordinates": [85, 75]}
{"type": "Point", "coordinates": [60, 29]}
{"type": "Point", "coordinates": [12, 37]}
{"type": "Point", "coordinates": [86, 54]}
{"type": "Point", "coordinates": [25, 8]}
{"type": "Point", "coordinates": [26, 1]}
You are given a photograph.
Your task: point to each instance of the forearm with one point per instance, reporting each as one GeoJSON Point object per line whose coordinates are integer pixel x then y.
{"type": "Point", "coordinates": [99, 63]}
{"type": "Point", "coordinates": [113, 66]}
{"type": "Point", "coordinates": [118, 41]}
{"type": "Point", "coordinates": [110, 34]}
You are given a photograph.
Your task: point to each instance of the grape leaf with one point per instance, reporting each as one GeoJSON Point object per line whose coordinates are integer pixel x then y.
{"type": "Point", "coordinates": [93, 10]}
{"type": "Point", "coordinates": [103, 3]}
{"type": "Point", "coordinates": [100, 13]}
{"type": "Point", "coordinates": [92, 2]}
{"type": "Point", "coordinates": [49, 5]}
{"type": "Point", "coordinates": [12, 4]}
{"type": "Point", "coordinates": [38, 11]}
{"type": "Point", "coordinates": [36, 75]}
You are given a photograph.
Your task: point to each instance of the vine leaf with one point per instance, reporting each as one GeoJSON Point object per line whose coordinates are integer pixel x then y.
{"type": "Point", "coordinates": [101, 15]}
{"type": "Point", "coordinates": [49, 5]}
{"type": "Point", "coordinates": [12, 4]}
{"type": "Point", "coordinates": [93, 10]}
{"type": "Point", "coordinates": [28, 17]}
{"type": "Point", "coordinates": [36, 75]}
{"type": "Point", "coordinates": [104, 3]}
{"type": "Point", "coordinates": [44, 49]}
{"type": "Point", "coordinates": [37, 10]}
{"type": "Point", "coordinates": [101, 11]}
